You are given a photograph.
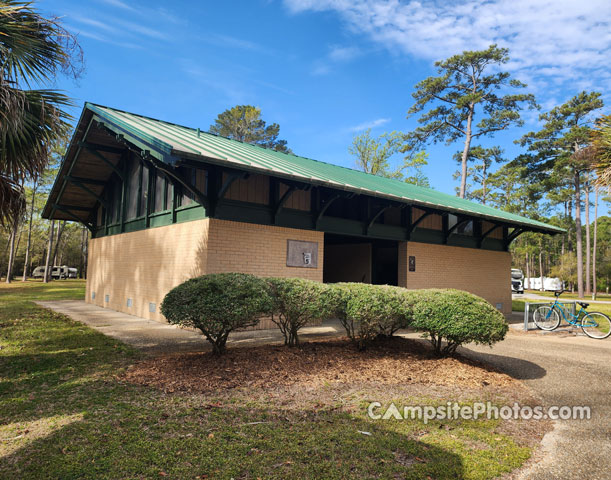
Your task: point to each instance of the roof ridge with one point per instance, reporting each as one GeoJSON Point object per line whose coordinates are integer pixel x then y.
{"type": "Point", "coordinates": [414, 193]}
{"type": "Point", "coordinates": [271, 150]}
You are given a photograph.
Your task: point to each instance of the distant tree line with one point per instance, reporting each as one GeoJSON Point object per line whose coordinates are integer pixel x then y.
{"type": "Point", "coordinates": [564, 171]}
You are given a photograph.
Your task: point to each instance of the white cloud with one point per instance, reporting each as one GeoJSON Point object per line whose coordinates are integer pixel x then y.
{"type": "Point", "coordinates": [119, 4]}
{"type": "Point", "coordinates": [564, 40]}
{"type": "Point", "coordinates": [337, 54]}
{"type": "Point", "coordinates": [378, 122]}
{"type": "Point", "coordinates": [222, 40]}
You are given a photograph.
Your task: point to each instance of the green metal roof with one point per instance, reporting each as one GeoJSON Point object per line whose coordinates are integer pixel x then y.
{"type": "Point", "coordinates": [170, 142]}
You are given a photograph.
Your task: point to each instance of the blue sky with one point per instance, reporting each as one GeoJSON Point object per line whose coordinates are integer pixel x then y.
{"type": "Point", "coordinates": [326, 69]}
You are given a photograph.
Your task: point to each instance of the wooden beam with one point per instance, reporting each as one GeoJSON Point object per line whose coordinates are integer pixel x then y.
{"type": "Point", "coordinates": [324, 208]}
{"type": "Point", "coordinates": [283, 199]}
{"type": "Point", "coordinates": [88, 181]}
{"type": "Point", "coordinates": [89, 191]}
{"type": "Point", "coordinates": [510, 237]}
{"type": "Point", "coordinates": [101, 148]}
{"type": "Point", "coordinates": [375, 216]}
{"type": "Point", "coordinates": [406, 221]}
{"type": "Point", "coordinates": [204, 200]}
{"type": "Point", "coordinates": [419, 221]}
{"type": "Point", "coordinates": [74, 217]}
{"type": "Point", "coordinates": [76, 208]}
{"type": "Point", "coordinates": [91, 149]}
{"type": "Point", "coordinates": [454, 227]}
{"type": "Point", "coordinates": [232, 176]}
{"type": "Point", "coordinates": [444, 225]}
{"type": "Point", "coordinates": [485, 234]}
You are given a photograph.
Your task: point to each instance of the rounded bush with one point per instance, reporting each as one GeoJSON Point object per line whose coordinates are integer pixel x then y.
{"type": "Point", "coordinates": [456, 317]}
{"type": "Point", "coordinates": [217, 304]}
{"type": "Point", "coordinates": [295, 302]}
{"type": "Point", "coordinates": [366, 311]}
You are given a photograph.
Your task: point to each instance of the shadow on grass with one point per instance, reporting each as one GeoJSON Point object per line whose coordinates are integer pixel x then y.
{"type": "Point", "coordinates": [127, 440]}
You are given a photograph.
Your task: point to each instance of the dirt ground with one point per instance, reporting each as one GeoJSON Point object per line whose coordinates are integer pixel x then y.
{"type": "Point", "coordinates": [394, 361]}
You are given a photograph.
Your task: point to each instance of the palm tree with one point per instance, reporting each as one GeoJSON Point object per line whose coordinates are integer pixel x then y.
{"type": "Point", "coordinates": [33, 51]}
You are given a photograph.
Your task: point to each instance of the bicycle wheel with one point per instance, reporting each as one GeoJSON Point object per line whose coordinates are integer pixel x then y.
{"type": "Point", "coordinates": [546, 318]}
{"type": "Point", "coordinates": [596, 325]}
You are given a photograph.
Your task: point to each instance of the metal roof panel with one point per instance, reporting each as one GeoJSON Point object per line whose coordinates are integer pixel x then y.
{"type": "Point", "coordinates": [177, 140]}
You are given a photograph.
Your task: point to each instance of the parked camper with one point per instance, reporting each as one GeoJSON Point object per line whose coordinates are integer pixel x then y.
{"type": "Point", "coordinates": [57, 272]}
{"type": "Point", "coordinates": [60, 272]}
{"type": "Point", "coordinates": [39, 272]}
{"type": "Point", "coordinates": [72, 272]}
{"type": "Point", "coordinates": [550, 284]}
{"type": "Point", "coordinates": [517, 280]}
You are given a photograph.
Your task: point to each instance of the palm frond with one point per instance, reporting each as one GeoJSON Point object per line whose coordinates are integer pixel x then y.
{"type": "Point", "coordinates": [12, 200]}
{"type": "Point", "coordinates": [32, 48]}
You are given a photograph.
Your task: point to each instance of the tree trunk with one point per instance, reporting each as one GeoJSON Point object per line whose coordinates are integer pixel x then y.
{"type": "Point", "coordinates": [11, 251]}
{"type": "Point", "coordinates": [541, 262]}
{"type": "Point", "coordinates": [594, 279]}
{"type": "Point", "coordinates": [86, 255]}
{"type": "Point", "coordinates": [29, 244]}
{"type": "Point", "coordinates": [527, 286]}
{"type": "Point", "coordinates": [587, 212]}
{"type": "Point", "coordinates": [568, 230]}
{"type": "Point", "coordinates": [484, 178]}
{"type": "Point", "coordinates": [578, 234]}
{"type": "Point", "coordinates": [465, 155]}
{"type": "Point", "coordinates": [60, 230]}
{"type": "Point", "coordinates": [48, 267]}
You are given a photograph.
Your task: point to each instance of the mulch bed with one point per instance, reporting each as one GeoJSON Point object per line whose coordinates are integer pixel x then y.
{"type": "Point", "coordinates": [393, 361]}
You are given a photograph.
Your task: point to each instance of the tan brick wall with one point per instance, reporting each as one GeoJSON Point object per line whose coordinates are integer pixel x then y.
{"type": "Point", "coordinates": [483, 272]}
{"type": "Point", "coordinates": [146, 264]}
{"type": "Point", "coordinates": [258, 249]}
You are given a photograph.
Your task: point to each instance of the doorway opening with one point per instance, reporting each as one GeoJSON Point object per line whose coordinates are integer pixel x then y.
{"type": "Point", "coordinates": [359, 259]}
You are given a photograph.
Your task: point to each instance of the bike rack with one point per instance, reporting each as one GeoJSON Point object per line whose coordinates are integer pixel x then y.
{"type": "Point", "coordinates": [532, 306]}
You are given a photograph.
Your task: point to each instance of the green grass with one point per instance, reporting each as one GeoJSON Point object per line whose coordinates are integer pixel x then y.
{"type": "Point", "coordinates": [64, 414]}
{"type": "Point", "coordinates": [571, 296]}
{"type": "Point", "coordinates": [518, 305]}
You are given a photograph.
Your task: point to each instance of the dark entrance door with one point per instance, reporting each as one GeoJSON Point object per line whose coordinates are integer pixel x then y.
{"type": "Point", "coordinates": [359, 259]}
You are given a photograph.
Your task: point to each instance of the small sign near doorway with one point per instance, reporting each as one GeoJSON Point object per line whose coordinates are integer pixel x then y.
{"type": "Point", "coordinates": [412, 264]}
{"type": "Point", "coordinates": [302, 254]}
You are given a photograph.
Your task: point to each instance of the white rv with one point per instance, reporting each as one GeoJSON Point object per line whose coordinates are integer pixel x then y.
{"type": "Point", "coordinates": [550, 284]}
{"type": "Point", "coordinates": [58, 272]}
{"type": "Point", "coordinates": [517, 280]}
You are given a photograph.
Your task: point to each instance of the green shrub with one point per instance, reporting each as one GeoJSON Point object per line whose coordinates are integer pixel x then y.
{"type": "Point", "coordinates": [366, 311]}
{"type": "Point", "coordinates": [295, 302]}
{"type": "Point", "coordinates": [217, 304]}
{"type": "Point", "coordinates": [456, 317]}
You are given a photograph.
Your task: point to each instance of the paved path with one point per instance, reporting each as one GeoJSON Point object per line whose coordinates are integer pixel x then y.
{"type": "Point", "coordinates": [564, 369]}
{"type": "Point", "coordinates": [156, 337]}
{"type": "Point", "coordinates": [534, 296]}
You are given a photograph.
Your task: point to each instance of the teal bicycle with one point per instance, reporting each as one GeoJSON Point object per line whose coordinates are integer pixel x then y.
{"type": "Point", "coordinates": [594, 324]}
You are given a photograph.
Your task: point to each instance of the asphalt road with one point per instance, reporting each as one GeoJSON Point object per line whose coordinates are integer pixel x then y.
{"type": "Point", "coordinates": [564, 370]}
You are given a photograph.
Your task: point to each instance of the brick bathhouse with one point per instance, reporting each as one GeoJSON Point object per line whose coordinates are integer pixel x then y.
{"type": "Point", "coordinates": [166, 203]}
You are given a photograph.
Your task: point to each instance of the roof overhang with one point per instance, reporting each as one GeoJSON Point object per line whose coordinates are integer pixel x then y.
{"type": "Point", "coordinates": [101, 138]}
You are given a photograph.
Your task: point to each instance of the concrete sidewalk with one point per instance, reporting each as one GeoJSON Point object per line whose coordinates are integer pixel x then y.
{"type": "Point", "coordinates": [155, 337]}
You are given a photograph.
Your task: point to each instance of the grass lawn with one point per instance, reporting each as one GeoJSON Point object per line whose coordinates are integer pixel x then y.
{"type": "Point", "coordinates": [518, 305]}
{"type": "Point", "coordinates": [571, 296]}
{"type": "Point", "coordinates": [65, 414]}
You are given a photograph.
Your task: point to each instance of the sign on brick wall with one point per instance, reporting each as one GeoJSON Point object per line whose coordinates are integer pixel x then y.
{"type": "Point", "coordinates": [301, 254]}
